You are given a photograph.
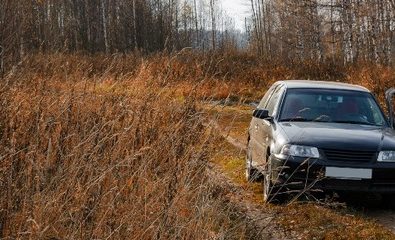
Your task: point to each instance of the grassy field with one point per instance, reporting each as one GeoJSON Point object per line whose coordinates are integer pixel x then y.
{"type": "Point", "coordinates": [114, 147]}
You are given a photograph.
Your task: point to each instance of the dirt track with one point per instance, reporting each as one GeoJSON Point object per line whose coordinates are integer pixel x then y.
{"type": "Point", "coordinates": [384, 217]}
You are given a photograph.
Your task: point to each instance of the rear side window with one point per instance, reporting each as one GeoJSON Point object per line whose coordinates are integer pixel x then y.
{"type": "Point", "coordinates": [263, 103]}
{"type": "Point", "coordinates": [274, 99]}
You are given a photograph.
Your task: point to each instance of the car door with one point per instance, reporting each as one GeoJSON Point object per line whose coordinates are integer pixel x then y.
{"type": "Point", "coordinates": [263, 128]}
{"type": "Point", "coordinates": [254, 146]}
{"type": "Point", "coordinates": [390, 104]}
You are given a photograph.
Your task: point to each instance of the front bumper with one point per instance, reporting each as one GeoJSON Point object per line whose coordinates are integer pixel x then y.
{"type": "Point", "coordinates": [297, 173]}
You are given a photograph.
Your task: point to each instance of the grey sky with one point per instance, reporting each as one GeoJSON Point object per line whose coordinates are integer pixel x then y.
{"type": "Point", "coordinates": [237, 9]}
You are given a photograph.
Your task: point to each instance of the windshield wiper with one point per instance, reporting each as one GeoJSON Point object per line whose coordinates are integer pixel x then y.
{"type": "Point", "coordinates": [303, 120]}
{"type": "Point", "coordinates": [321, 120]}
{"type": "Point", "coordinates": [297, 119]}
{"type": "Point", "coordinates": [357, 122]}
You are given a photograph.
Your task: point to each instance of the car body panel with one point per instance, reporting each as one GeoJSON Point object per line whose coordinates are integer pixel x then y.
{"type": "Point", "coordinates": [261, 129]}
{"type": "Point", "coordinates": [322, 85]}
{"type": "Point", "coordinates": [338, 135]}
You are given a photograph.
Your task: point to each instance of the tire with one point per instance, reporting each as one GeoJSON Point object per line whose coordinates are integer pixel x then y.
{"type": "Point", "coordinates": [271, 192]}
{"type": "Point", "coordinates": [252, 174]}
{"type": "Point", "coordinates": [388, 201]}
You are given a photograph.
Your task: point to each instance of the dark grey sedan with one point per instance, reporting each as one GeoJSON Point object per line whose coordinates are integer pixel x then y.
{"type": "Point", "coordinates": [308, 134]}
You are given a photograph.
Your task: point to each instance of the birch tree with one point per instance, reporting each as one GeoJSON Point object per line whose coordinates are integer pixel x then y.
{"type": "Point", "coordinates": [317, 30]}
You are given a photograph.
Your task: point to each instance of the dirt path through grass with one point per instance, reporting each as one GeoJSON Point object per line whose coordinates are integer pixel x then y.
{"type": "Point", "coordinates": [313, 220]}
{"type": "Point", "coordinates": [384, 217]}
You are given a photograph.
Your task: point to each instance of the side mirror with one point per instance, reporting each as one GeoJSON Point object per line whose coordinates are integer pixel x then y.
{"type": "Point", "coordinates": [261, 114]}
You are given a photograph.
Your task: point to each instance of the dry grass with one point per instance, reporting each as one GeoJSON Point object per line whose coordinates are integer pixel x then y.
{"type": "Point", "coordinates": [115, 146]}
{"type": "Point", "coordinates": [233, 121]}
{"type": "Point", "coordinates": [233, 76]}
{"type": "Point", "coordinates": [84, 156]}
{"type": "Point", "coordinates": [319, 222]}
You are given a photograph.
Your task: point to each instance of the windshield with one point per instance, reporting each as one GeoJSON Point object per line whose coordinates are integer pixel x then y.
{"type": "Point", "coordinates": [327, 105]}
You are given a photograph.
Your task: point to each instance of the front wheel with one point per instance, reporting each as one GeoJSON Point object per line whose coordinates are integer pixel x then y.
{"type": "Point", "coordinates": [271, 192]}
{"type": "Point", "coordinates": [267, 187]}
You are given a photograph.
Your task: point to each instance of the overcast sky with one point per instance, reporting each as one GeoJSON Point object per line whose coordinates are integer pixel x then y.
{"type": "Point", "coordinates": [237, 9]}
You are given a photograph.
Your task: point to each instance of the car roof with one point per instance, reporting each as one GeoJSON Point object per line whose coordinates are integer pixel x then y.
{"type": "Point", "coordinates": [322, 85]}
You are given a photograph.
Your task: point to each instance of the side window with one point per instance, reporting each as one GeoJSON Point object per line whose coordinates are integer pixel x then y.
{"type": "Point", "coordinates": [274, 99]}
{"type": "Point", "coordinates": [263, 103]}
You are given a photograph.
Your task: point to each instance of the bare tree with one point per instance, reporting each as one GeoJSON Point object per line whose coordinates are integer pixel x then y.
{"type": "Point", "coordinates": [213, 23]}
{"type": "Point", "coordinates": [106, 26]}
{"type": "Point", "coordinates": [352, 30]}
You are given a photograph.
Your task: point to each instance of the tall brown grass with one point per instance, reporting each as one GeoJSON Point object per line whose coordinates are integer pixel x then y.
{"type": "Point", "coordinates": [83, 156]}
{"type": "Point", "coordinates": [239, 76]}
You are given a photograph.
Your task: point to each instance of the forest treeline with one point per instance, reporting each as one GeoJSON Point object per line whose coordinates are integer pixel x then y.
{"type": "Point", "coordinates": [340, 31]}
{"type": "Point", "coordinates": [110, 26]}
{"type": "Point", "coordinates": [323, 31]}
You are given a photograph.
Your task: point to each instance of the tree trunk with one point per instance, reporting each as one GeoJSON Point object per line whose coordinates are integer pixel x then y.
{"type": "Point", "coordinates": [104, 23]}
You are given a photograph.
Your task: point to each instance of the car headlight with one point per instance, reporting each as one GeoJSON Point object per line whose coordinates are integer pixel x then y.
{"type": "Point", "coordinates": [386, 156]}
{"type": "Point", "coordinates": [298, 151]}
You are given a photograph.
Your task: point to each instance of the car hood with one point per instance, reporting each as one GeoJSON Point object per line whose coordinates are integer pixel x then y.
{"type": "Point", "coordinates": [339, 136]}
